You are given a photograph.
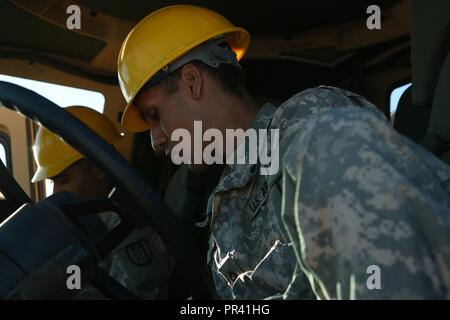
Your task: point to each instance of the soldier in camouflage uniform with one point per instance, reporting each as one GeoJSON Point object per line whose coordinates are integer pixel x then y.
{"type": "Point", "coordinates": [140, 263]}
{"type": "Point", "coordinates": [356, 211]}
{"type": "Point", "coordinates": [351, 193]}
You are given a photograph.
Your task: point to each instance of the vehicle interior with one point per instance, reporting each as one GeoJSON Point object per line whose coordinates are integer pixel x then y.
{"type": "Point", "coordinates": [294, 46]}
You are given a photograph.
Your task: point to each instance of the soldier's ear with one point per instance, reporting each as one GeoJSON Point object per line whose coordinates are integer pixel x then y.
{"type": "Point", "coordinates": [191, 81]}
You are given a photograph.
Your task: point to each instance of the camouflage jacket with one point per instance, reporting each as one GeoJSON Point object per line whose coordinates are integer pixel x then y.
{"type": "Point", "coordinates": [355, 211]}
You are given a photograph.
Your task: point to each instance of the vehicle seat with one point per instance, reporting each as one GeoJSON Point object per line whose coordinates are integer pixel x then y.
{"type": "Point", "coordinates": [187, 195]}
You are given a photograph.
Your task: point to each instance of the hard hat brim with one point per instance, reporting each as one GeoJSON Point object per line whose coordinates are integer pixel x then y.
{"type": "Point", "coordinates": [132, 121]}
{"type": "Point", "coordinates": [52, 171]}
{"type": "Point", "coordinates": [39, 175]}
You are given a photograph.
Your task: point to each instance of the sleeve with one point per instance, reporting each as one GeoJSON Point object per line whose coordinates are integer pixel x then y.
{"type": "Point", "coordinates": [366, 210]}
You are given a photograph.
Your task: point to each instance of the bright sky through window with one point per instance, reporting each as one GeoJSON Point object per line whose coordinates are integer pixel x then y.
{"type": "Point", "coordinates": [3, 154]}
{"type": "Point", "coordinates": [61, 95]}
{"type": "Point", "coordinates": [3, 159]}
{"type": "Point", "coordinates": [395, 96]}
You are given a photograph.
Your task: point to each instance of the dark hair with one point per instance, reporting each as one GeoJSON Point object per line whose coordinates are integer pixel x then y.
{"type": "Point", "coordinates": [230, 77]}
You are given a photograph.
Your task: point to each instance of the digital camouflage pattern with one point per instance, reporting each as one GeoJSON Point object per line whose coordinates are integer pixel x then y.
{"type": "Point", "coordinates": [140, 263]}
{"type": "Point", "coordinates": [351, 193]}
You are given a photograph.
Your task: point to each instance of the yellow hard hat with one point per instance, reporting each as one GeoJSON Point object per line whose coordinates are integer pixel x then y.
{"type": "Point", "coordinates": [53, 155]}
{"type": "Point", "coordinates": [161, 38]}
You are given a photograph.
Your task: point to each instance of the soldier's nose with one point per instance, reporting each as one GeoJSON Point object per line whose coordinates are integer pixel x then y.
{"type": "Point", "coordinates": [158, 139]}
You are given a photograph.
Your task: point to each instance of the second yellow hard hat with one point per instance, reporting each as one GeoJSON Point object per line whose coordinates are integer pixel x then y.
{"type": "Point", "coordinates": [53, 155]}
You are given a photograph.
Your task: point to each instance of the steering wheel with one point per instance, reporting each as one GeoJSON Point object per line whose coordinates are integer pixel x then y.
{"type": "Point", "coordinates": [134, 199]}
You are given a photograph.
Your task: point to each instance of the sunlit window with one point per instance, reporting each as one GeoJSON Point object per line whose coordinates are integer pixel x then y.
{"type": "Point", "coordinates": [5, 149]}
{"type": "Point", "coordinates": [3, 154]}
{"type": "Point", "coordinates": [48, 187]}
{"type": "Point", "coordinates": [61, 95]}
{"type": "Point", "coordinates": [3, 158]}
{"type": "Point", "coordinates": [395, 97]}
